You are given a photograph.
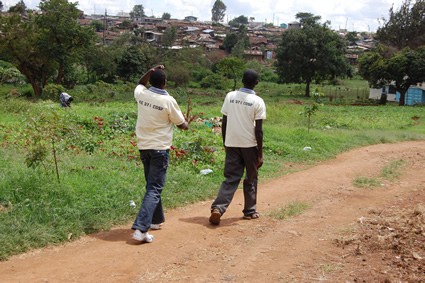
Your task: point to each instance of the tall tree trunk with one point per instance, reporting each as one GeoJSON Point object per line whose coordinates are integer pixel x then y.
{"type": "Point", "coordinates": [402, 97]}
{"type": "Point", "coordinates": [307, 88]}
{"type": "Point", "coordinates": [60, 74]}
{"type": "Point", "coordinates": [38, 90]}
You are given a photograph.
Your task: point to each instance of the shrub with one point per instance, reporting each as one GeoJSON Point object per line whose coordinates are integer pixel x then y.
{"type": "Point", "coordinates": [215, 81]}
{"type": "Point", "coordinates": [52, 91]}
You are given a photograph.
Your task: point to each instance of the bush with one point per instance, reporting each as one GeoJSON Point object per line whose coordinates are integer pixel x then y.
{"type": "Point", "coordinates": [11, 76]}
{"type": "Point", "coordinates": [52, 91]}
{"type": "Point", "coordinates": [178, 74]}
{"type": "Point", "coordinates": [215, 81]}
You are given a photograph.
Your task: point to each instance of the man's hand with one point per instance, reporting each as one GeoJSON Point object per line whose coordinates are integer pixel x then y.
{"type": "Point", "coordinates": [161, 67]}
{"type": "Point", "coordinates": [260, 162]}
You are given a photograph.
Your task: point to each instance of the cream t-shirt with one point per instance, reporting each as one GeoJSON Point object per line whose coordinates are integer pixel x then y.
{"type": "Point", "coordinates": [242, 108]}
{"type": "Point", "coordinates": [157, 114]}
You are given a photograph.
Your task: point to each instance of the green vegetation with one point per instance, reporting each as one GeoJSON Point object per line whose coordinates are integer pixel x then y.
{"type": "Point", "coordinates": [66, 172]}
{"type": "Point", "coordinates": [365, 182]}
{"type": "Point", "coordinates": [99, 167]}
{"type": "Point", "coordinates": [393, 170]}
{"type": "Point", "coordinates": [390, 172]}
{"type": "Point", "coordinates": [292, 209]}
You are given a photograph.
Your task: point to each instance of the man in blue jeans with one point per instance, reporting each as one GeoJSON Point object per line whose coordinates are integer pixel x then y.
{"type": "Point", "coordinates": [158, 112]}
{"type": "Point", "coordinates": [243, 114]}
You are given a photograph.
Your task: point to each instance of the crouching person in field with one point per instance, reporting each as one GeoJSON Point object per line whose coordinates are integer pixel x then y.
{"type": "Point", "coordinates": [158, 112]}
{"type": "Point", "coordinates": [65, 99]}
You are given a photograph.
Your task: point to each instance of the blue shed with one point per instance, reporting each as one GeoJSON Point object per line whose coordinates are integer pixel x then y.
{"type": "Point", "coordinates": [414, 96]}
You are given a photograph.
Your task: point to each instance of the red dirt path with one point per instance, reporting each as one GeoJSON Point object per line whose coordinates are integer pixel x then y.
{"type": "Point", "coordinates": [311, 247]}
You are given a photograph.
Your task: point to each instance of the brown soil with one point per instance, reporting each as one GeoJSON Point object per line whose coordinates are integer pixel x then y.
{"type": "Point", "coordinates": [349, 234]}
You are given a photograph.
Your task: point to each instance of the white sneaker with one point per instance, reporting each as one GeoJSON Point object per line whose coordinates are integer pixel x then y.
{"type": "Point", "coordinates": [142, 237]}
{"type": "Point", "coordinates": [156, 226]}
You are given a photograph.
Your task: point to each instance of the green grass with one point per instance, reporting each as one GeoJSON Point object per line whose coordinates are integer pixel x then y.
{"type": "Point", "coordinates": [393, 170]}
{"type": "Point", "coordinates": [389, 172]}
{"type": "Point", "coordinates": [100, 171]}
{"type": "Point", "coordinates": [290, 210]}
{"type": "Point", "coordinates": [365, 182]}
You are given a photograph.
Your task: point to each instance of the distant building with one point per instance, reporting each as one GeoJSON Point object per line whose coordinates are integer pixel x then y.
{"type": "Point", "coordinates": [283, 25]}
{"type": "Point", "coordinates": [294, 25]}
{"type": "Point", "coordinates": [415, 95]}
{"type": "Point", "coordinates": [191, 19]}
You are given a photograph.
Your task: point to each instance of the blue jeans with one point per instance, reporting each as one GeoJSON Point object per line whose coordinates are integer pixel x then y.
{"type": "Point", "coordinates": [155, 164]}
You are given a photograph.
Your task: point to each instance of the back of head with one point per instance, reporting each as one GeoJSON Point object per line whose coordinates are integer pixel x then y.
{"type": "Point", "coordinates": [250, 79]}
{"type": "Point", "coordinates": [158, 78]}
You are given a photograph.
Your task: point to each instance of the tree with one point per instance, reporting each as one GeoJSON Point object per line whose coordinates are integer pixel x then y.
{"type": "Point", "coordinates": [1, 6]}
{"type": "Point", "coordinates": [351, 37]}
{"type": "Point", "coordinates": [229, 41]}
{"type": "Point", "coordinates": [307, 18]}
{"type": "Point", "coordinates": [403, 68]}
{"type": "Point", "coordinates": [169, 36]}
{"type": "Point", "coordinates": [231, 68]}
{"type": "Point", "coordinates": [218, 11]}
{"type": "Point", "coordinates": [19, 8]}
{"type": "Point", "coordinates": [97, 25]}
{"type": "Point", "coordinates": [237, 42]}
{"type": "Point", "coordinates": [313, 53]}
{"type": "Point", "coordinates": [40, 44]}
{"type": "Point", "coordinates": [62, 36]}
{"type": "Point", "coordinates": [166, 16]}
{"type": "Point", "coordinates": [137, 12]}
{"type": "Point", "coordinates": [405, 27]}
{"type": "Point", "coordinates": [20, 45]}
{"type": "Point", "coordinates": [132, 63]}
{"type": "Point", "coordinates": [237, 22]}
{"type": "Point", "coordinates": [101, 63]}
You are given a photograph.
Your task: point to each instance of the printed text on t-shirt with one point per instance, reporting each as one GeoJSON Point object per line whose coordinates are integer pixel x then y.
{"type": "Point", "coordinates": [240, 102]}
{"type": "Point", "coordinates": [147, 104]}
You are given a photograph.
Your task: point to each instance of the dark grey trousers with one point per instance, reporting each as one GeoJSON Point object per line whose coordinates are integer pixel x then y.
{"type": "Point", "coordinates": [237, 160]}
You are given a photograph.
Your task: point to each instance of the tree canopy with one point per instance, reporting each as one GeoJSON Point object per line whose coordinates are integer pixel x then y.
{"type": "Point", "coordinates": [307, 18]}
{"type": "Point", "coordinates": [404, 27]}
{"type": "Point", "coordinates": [312, 53]}
{"type": "Point", "coordinates": [218, 11]}
{"type": "Point", "coordinates": [138, 12]}
{"type": "Point", "coordinates": [20, 45]}
{"type": "Point", "coordinates": [19, 8]}
{"type": "Point", "coordinates": [166, 16]}
{"type": "Point", "coordinates": [231, 68]}
{"type": "Point", "coordinates": [62, 36]}
{"type": "Point", "coordinates": [404, 68]}
{"type": "Point", "coordinates": [237, 22]}
{"type": "Point", "coordinates": [40, 44]}
{"type": "Point", "coordinates": [400, 57]}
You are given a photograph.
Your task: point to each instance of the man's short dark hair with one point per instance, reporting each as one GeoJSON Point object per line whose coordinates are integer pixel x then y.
{"type": "Point", "coordinates": [158, 78]}
{"type": "Point", "coordinates": [250, 78]}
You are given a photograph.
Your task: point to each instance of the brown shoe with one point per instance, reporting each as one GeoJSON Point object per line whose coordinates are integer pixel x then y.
{"type": "Point", "coordinates": [215, 216]}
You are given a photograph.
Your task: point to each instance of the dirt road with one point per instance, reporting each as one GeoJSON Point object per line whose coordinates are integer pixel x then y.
{"type": "Point", "coordinates": [299, 249]}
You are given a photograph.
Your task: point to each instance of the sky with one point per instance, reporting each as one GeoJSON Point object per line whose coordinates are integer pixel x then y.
{"type": "Point", "coordinates": [353, 15]}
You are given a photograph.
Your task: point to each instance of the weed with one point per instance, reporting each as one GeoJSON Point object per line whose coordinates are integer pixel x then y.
{"type": "Point", "coordinates": [292, 209]}
{"type": "Point", "coordinates": [365, 182]}
{"type": "Point", "coordinates": [393, 170]}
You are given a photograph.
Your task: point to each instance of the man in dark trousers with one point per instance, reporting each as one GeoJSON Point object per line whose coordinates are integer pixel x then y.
{"type": "Point", "coordinates": [158, 112]}
{"type": "Point", "coordinates": [243, 114]}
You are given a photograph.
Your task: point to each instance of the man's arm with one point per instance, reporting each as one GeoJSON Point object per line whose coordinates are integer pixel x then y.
{"type": "Point", "coordinates": [184, 126]}
{"type": "Point", "coordinates": [259, 138]}
{"type": "Point", "coordinates": [145, 78]}
{"type": "Point", "coordinates": [224, 128]}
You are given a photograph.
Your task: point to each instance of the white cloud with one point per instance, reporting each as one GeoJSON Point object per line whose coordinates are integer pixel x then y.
{"type": "Point", "coordinates": [359, 15]}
